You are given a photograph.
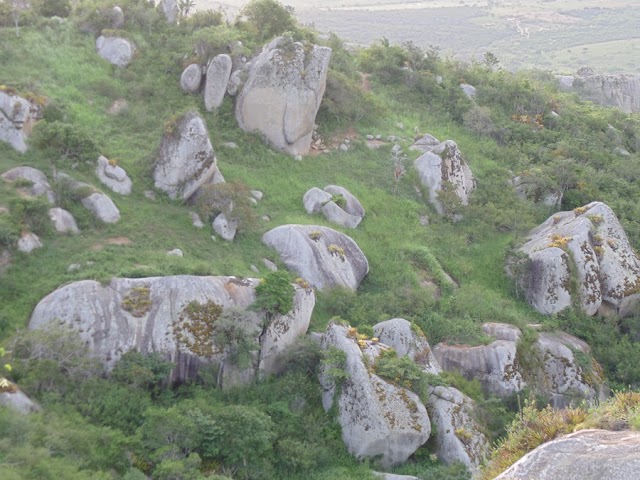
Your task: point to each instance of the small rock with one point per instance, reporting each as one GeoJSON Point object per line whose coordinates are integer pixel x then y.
{"type": "Point", "coordinates": [117, 18]}
{"type": "Point", "coordinates": [231, 145]}
{"type": "Point", "coordinates": [392, 138]}
{"type": "Point", "coordinates": [74, 267]}
{"type": "Point", "coordinates": [270, 265]}
{"type": "Point", "coordinates": [424, 220]}
{"type": "Point", "coordinates": [257, 194]}
{"type": "Point", "coordinates": [115, 50]}
{"type": "Point", "coordinates": [191, 78]}
{"type": "Point", "coordinates": [224, 227]}
{"type": "Point", "coordinates": [344, 147]}
{"type": "Point", "coordinates": [439, 80]}
{"type": "Point", "coordinates": [378, 137]}
{"type": "Point", "coordinates": [400, 125]}
{"type": "Point", "coordinates": [4, 210]}
{"type": "Point", "coordinates": [63, 221]}
{"type": "Point", "coordinates": [113, 176]}
{"type": "Point", "coordinates": [622, 152]}
{"type": "Point", "coordinates": [254, 269]}
{"type": "Point", "coordinates": [102, 207]}
{"type": "Point", "coordinates": [176, 252]}
{"type": "Point", "coordinates": [253, 201]}
{"type": "Point", "coordinates": [266, 218]}
{"type": "Point", "coordinates": [217, 80]}
{"type": "Point", "coordinates": [29, 242]}
{"type": "Point", "coordinates": [150, 194]}
{"type": "Point", "coordinates": [347, 141]}
{"type": "Point", "coordinates": [196, 220]}
{"type": "Point", "coordinates": [469, 90]}
{"type": "Point", "coordinates": [89, 263]}
{"type": "Point", "coordinates": [369, 137]}
{"type": "Point", "coordinates": [298, 158]}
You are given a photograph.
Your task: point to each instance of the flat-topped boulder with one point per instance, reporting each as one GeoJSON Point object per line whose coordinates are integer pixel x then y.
{"type": "Point", "coordinates": [378, 419]}
{"type": "Point", "coordinates": [113, 176]}
{"type": "Point", "coordinates": [186, 160]}
{"type": "Point", "coordinates": [165, 315]}
{"type": "Point", "coordinates": [17, 117]}
{"type": "Point", "coordinates": [320, 255]}
{"type": "Point", "coordinates": [282, 94]}
{"type": "Point", "coordinates": [442, 168]}
{"type": "Point", "coordinates": [606, 269]}
{"type": "Point", "coordinates": [583, 455]}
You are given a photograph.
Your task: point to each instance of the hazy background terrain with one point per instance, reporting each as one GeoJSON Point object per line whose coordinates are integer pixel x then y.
{"type": "Point", "coordinates": [559, 35]}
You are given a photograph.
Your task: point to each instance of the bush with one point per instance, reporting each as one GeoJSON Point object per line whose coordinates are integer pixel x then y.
{"type": "Point", "coordinates": [64, 140]}
{"type": "Point", "coordinates": [30, 214]}
{"type": "Point", "coordinates": [231, 198]}
{"type": "Point", "coordinates": [142, 370]}
{"type": "Point", "coordinates": [268, 18]}
{"type": "Point", "coordinates": [275, 293]}
{"type": "Point", "coordinates": [53, 8]}
{"type": "Point", "coordinates": [401, 370]}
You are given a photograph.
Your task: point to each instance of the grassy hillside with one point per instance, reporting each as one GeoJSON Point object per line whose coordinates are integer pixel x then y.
{"type": "Point", "coordinates": [510, 130]}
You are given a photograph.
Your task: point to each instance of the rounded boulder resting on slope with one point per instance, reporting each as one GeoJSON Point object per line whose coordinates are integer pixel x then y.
{"type": "Point", "coordinates": [378, 418]}
{"type": "Point", "coordinates": [282, 94]}
{"type": "Point", "coordinates": [113, 176]}
{"type": "Point", "coordinates": [320, 255]}
{"type": "Point", "coordinates": [186, 160]}
{"type": "Point", "coordinates": [191, 78]}
{"type": "Point", "coordinates": [583, 455]}
{"type": "Point", "coordinates": [117, 51]}
{"type": "Point", "coordinates": [63, 221]}
{"type": "Point", "coordinates": [606, 270]}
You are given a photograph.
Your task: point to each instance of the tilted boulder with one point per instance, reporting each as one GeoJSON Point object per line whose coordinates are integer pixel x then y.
{"type": "Point", "coordinates": [607, 271]}
{"type": "Point", "coordinates": [186, 160]}
{"type": "Point", "coordinates": [17, 117]}
{"type": "Point", "coordinates": [408, 340]}
{"type": "Point", "coordinates": [459, 437]}
{"type": "Point", "coordinates": [282, 94]}
{"type": "Point", "coordinates": [378, 418]}
{"type": "Point", "coordinates": [583, 455]}
{"type": "Point", "coordinates": [63, 221]}
{"type": "Point", "coordinates": [113, 176]}
{"type": "Point", "coordinates": [320, 255]}
{"type": "Point", "coordinates": [191, 78]}
{"type": "Point", "coordinates": [39, 184]}
{"type": "Point", "coordinates": [117, 51]}
{"type": "Point", "coordinates": [443, 166]}
{"type": "Point", "coordinates": [152, 315]}
{"type": "Point", "coordinates": [216, 82]}
{"type": "Point", "coordinates": [349, 213]}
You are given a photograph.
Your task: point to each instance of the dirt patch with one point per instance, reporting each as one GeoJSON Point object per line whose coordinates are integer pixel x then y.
{"type": "Point", "coordinates": [122, 241]}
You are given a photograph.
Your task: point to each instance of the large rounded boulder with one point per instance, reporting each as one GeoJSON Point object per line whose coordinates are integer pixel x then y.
{"type": "Point", "coordinates": [378, 419]}
{"type": "Point", "coordinates": [115, 50]}
{"type": "Point", "coordinates": [320, 255]}
{"type": "Point", "coordinates": [186, 160]}
{"type": "Point", "coordinates": [605, 268]}
{"type": "Point", "coordinates": [282, 94]}
{"type": "Point", "coordinates": [174, 316]}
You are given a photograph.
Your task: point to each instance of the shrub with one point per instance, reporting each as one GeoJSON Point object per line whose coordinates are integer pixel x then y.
{"type": "Point", "coordinates": [194, 327]}
{"type": "Point", "coordinates": [231, 198]}
{"type": "Point", "coordinates": [334, 362]}
{"type": "Point", "coordinates": [53, 8]}
{"type": "Point", "coordinates": [275, 293]}
{"type": "Point", "coordinates": [400, 370]}
{"type": "Point", "coordinates": [64, 140]}
{"type": "Point", "coordinates": [268, 18]}
{"type": "Point", "coordinates": [30, 214]}
{"type": "Point", "coordinates": [235, 332]}
{"type": "Point", "coordinates": [9, 233]}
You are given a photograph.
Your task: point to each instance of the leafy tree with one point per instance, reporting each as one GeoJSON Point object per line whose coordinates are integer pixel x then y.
{"type": "Point", "coordinates": [275, 293]}
{"type": "Point", "coordinates": [269, 18]}
{"type": "Point", "coordinates": [141, 370]}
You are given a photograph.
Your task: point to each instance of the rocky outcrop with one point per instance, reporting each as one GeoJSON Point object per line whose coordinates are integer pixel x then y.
{"type": "Point", "coordinates": [583, 455]}
{"type": "Point", "coordinates": [39, 184]}
{"type": "Point", "coordinates": [63, 221]}
{"type": "Point", "coordinates": [191, 78]}
{"type": "Point", "coordinates": [442, 167]}
{"type": "Point", "coordinates": [218, 74]}
{"type": "Point", "coordinates": [336, 203]}
{"type": "Point", "coordinates": [408, 340]}
{"type": "Point", "coordinates": [153, 315]}
{"type": "Point", "coordinates": [607, 271]}
{"type": "Point", "coordinates": [117, 51]}
{"type": "Point", "coordinates": [282, 94]}
{"type": "Point", "coordinates": [525, 188]}
{"type": "Point", "coordinates": [493, 365]}
{"type": "Point", "coordinates": [320, 255]}
{"type": "Point", "coordinates": [619, 90]}
{"type": "Point", "coordinates": [15, 399]}
{"type": "Point", "coordinates": [113, 176]}
{"type": "Point", "coordinates": [378, 419]}
{"type": "Point", "coordinates": [17, 117]}
{"type": "Point", "coordinates": [458, 436]}
{"type": "Point", "coordinates": [186, 160]}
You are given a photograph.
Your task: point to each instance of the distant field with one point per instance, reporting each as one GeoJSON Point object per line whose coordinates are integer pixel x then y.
{"type": "Point", "coordinates": [559, 35]}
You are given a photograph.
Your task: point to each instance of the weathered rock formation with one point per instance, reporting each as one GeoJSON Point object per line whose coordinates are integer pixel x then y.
{"type": "Point", "coordinates": [17, 117]}
{"type": "Point", "coordinates": [320, 255]}
{"type": "Point", "coordinates": [117, 51]}
{"type": "Point", "coordinates": [191, 78]}
{"type": "Point", "coordinates": [619, 90]}
{"type": "Point", "coordinates": [583, 455]}
{"type": "Point", "coordinates": [99, 204]}
{"type": "Point", "coordinates": [113, 176]}
{"type": "Point", "coordinates": [408, 340]}
{"type": "Point", "coordinates": [378, 419]}
{"type": "Point", "coordinates": [218, 74]}
{"type": "Point", "coordinates": [591, 239]}
{"type": "Point", "coordinates": [442, 167]}
{"type": "Point", "coordinates": [15, 399]}
{"type": "Point", "coordinates": [458, 436]}
{"type": "Point", "coordinates": [283, 92]}
{"type": "Point", "coordinates": [39, 184]}
{"type": "Point", "coordinates": [63, 221]}
{"type": "Point", "coordinates": [348, 212]}
{"type": "Point", "coordinates": [224, 227]}
{"type": "Point", "coordinates": [153, 315]}
{"type": "Point", "coordinates": [186, 160]}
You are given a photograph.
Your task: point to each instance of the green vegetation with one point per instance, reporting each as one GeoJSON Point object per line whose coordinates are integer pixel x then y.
{"type": "Point", "coordinates": [446, 277]}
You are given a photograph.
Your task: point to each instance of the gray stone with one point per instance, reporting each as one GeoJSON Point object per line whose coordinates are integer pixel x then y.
{"type": "Point", "coordinates": [320, 255]}
{"type": "Point", "coordinates": [176, 252]}
{"type": "Point", "coordinates": [117, 18]}
{"type": "Point", "coordinates": [584, 455]}
{"type": "Point", "coordinates": [444, 163]}
{"type": "Point", "coordinates": [622, 152]}
{"type": "Point", "coordinates": [186, 160]}
{"type": "Point", "coordinates": [17, 117]}
{"type": "Point", "coordinates": [257, 194]}
{"type": "Point", "coordinates": [191, 78]}
{"type": "Point", "coordinates": [369, 137]}
{"type": "Point", "coordinates": [112, 322]}
{"type": "Point", "coordinates": [314, 199]}
{"type": "Point", "coordinates": [217, 79]}
{"type": "Point", "coordinates": [270, 265]}
{"type": "Point", "coordinates": [408, 340]}
{"type": "Point", "coordinates": [102, 207]}
{"type": "Point", "coordinates": [171, 10]}
{"type": "Point", "coordinates": [527, 188]}
{"type": "Point", "coordinates": [282, 94]}
{"type": "Point", "coordinates": [235, 83]}
{"type": "Point", "coordinates": [63, 221]}
{"type": "Point", "coordinates": [231, 145]}
{"type": "Point", "coordinates": [40, 185]}
{"type": "Point", "coordinates": [469, 90]}
{"type": "Point", "coordinates": [117, 51]}
{"type": "Point", "coordinates": [113, 176]}
{"type": "Point", "coordinates": [337, 215]}
{"type": "Point", "coordinates": [393, 476]}
{"type": "Point", "coordinates": [196, 221]}
{"type": "Point", "coordinates": [74, 267]}
{"type": "Point", "coordinates": [254, 269]}
{"type": "Point", "coordinates": [344, 148]}
{"type": "Point", "coordinates": [17, 401]}
{"type": "Point", "coordinates": [426, 143]}
{"type": "Point", "coordinates": [29, 242]}
{"type": "Point", "coordinates": [224, 227]}
{"type": "Point", "coordinates": [378, 419]}
{"type": "Point", "coordinates": [150, 195]}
